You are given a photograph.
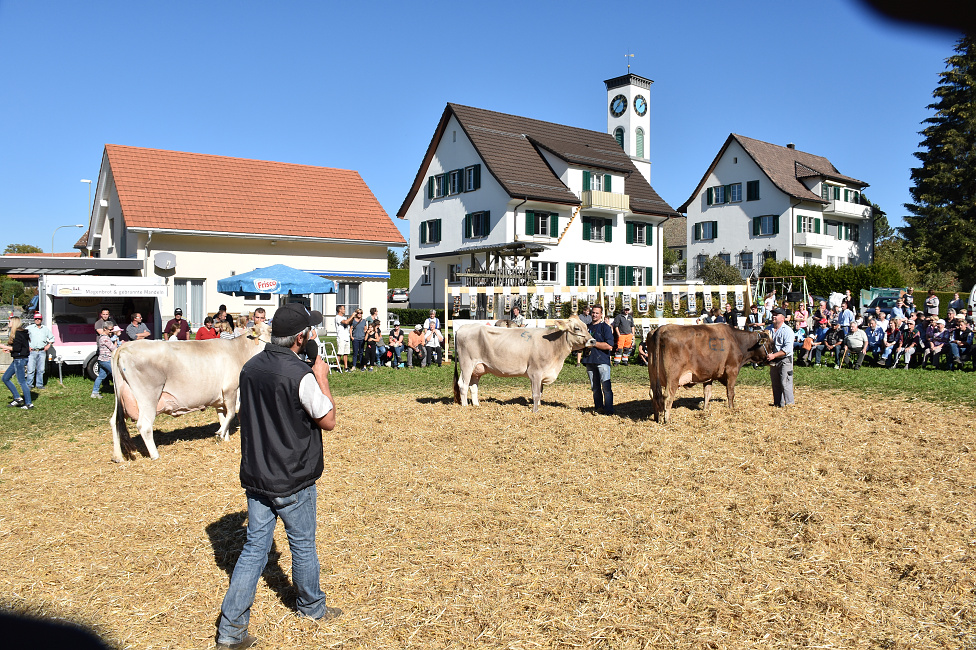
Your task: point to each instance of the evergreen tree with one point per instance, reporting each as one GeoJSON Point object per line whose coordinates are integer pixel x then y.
{"type": "Point", "coordinates": [20, 249]}
{"type": "Point", "coordinates": [944, 192]}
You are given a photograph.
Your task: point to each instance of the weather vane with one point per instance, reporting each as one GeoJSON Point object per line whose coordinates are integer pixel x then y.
{"type": "Point", "coordinates": [628, 57]}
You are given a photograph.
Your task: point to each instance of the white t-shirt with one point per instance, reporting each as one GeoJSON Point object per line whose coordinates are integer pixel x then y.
{"type": "Point", "coordinates": [342, 331]}
{"type": "Point", "coordinates": [314, 401]}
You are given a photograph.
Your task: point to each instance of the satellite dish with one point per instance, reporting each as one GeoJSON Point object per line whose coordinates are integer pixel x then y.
{"type": "Point", "coordinates": [164, 261]}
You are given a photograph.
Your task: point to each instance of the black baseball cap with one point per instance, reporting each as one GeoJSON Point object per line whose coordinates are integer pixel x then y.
{"type": "Point", "coordinates": [293, 318]}
{"type": "Point", "coordinates": [178, 312]}
{"type": "Point", "coordinates": [779, 311]}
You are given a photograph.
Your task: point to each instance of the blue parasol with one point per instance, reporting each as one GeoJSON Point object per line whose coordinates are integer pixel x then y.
{"type": "Point", "coordinates": [275, 279]}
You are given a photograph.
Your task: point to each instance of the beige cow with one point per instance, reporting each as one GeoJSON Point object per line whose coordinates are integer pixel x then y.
{"type": "Point", "coordinates": [534, 352]}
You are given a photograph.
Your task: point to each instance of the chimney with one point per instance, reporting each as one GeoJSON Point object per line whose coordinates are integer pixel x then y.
{"type": "Point", "coordinates": [791, 146]}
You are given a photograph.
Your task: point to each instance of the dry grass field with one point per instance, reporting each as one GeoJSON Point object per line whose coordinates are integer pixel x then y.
{"type": "Point", "coordinates": [839, 523]}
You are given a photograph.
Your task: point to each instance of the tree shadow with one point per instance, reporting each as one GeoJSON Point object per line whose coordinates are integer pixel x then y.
{"type": "Point", "coordinates": [227, 537]}
{"type": "Point", "coordinates": [435, 400]}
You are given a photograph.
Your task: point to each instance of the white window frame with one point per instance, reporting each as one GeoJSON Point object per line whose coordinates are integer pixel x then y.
{"type": "Point", "coordinates": [807, 257]}
{"type": "Point", "coordinates": [343, 290]}
{"type": "Point", "coordinates": [452, 273]}
{"type": "Point", "coordinates": [831, 261]}
{"type": "Point", "coordinates": [542, 224]}
{"type": "Point", "coordinates": [727, 258]}
{"type": "Point", "coordinates": [469, 178]}
{"type": "Point", "coordinates": [597, 232]}
{"type": "Point", "coordinates": [425, 275]}
{"type": "Point", "coordinates": [480, 225]}
{"type": "Point", "coordinates": [455, 179]}
{"type": "Point", "coordinates": [639, 276]}
{"type": "Point", "coordinates": [640, 233]}
{"type": "Point", "coordinates": [544, 271]}
{"type": "Point", "coordinates": [718, 194]}
{"type": "Point", "coordinates": [581, 275]}
{"type": "Point", "coordinates": [743, 263]}
{"type": "Point", "coordinates": [439, 186]}
{"type": "Point", "coordinates": [706, 230]}
{"type": "Point", "coordinates": [611, 275]}
{"type": "Point", "coordinates": [596, 182]}
{"type": "Point", "coordinates": [806, 223]}
{"type": "Point", "coordinates": [736, 191]}
{"type": "Point", "coordinates": [700, 260]}
{"type": "Point", "coordinates": [767, 225]}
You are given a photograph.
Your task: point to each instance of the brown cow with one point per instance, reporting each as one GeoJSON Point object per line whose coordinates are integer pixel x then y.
{"type": "Point", "coordinates": [685, 355]}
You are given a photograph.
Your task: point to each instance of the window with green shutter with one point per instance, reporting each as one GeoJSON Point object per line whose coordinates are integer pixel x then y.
{"type": "Point", "coordinates": [709, 196]}
{"type": "Point", "coordinates": [825, 191]}
{"type": "Point", "coordinates": [586, 180]}
{"type": "Point", "coordinates": [592, 281]}
{"type": "Point", "coordinates": [554, 224]}
{"type": "Point", "coordinates": [423, 232]}
{"type": "Point", "coordinates": [607, 230]}
{"type": "Point", "coordinates": [816, 226]}
{"type": "Point", "coordinates": [529, 223]}
{"type": "Point", "coordinates": [467, 226]}
{"type": "Point", "coordinates": [570, 274]}
{"type": "Point", "coordinates": [697, 232]}
{"type": "Point", "coordinates": [430, 187]}
{"type": "Point", "coordinates": [752, 191]}
{"type": "Point", "coordinates": [630, 232]}
{"type": "Point", "coordinates": [472, 178]}
{"type": "Point", "coordinates": [648, 276]}
{"type": "Point", "coordinates": [587, 227]}
{"type": "Point", "coordinates": [606, 183]}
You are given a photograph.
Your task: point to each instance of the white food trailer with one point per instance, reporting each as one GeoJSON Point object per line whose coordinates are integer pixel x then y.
{"type": "Point", "coordinates": [70, 305]}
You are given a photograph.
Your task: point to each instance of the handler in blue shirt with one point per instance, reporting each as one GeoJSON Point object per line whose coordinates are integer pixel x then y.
{"type": "Point", "coordinates": [597, 361]}
{"type": "Point", "coordinates": [781, 360]}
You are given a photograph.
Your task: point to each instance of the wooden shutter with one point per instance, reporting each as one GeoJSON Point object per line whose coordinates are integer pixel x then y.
{"type": "Point", "coordinates": [592, 281]}
{"type": "Point", "coordinates": [607, 230]}
{"type": "Point", "coordinates": [586, 180]}
{"type": "Point", "coordinates": [606, 182]}
{"type": "Point", "coordinates": [698, 233]}
{"type": "Point", "coordinates": [586, 227]}
{"type": "Point", "coordinates": [836, 193]}
{"type": "Point", "coordinates": [714, 230]}
{"type": "Point", "coordinates": [477, 177]}
{"type": "Point", "coordinates": [486, 222]}
{"type": "Point", "coordinates": [847, 194]}
{"type": "Point", "coordinates": [649, 234]}
{"type": "Point", "coordinates": [430, 187]}
{"type": "Point", "coordinates": [601, 273]}
{"type": "Point", "coordinates": [554, 225]}
{"type": "Point", "coordinates": [776, 224]}
{"type": "Point", "coordinates": [529, 223]}
{"type": "Point", "coordinates": [423, 232]}
{"type": "Point", "coordinates": [468, 231]}
{"type": "Point", "coordinates": [570, 273]}
{"type": "Point", "coordinates": [799, 223]}
{"type": "Point", "coordinates": [728, 193]}
{"type": "Point", "coordinates": [755, 226]}
{"type": "Point", "coordinates": [648, 276]}
{"type": "Point", "coordinates": [630, 232]}
{"type": "Point", "coordinates": [629, 276]}
{"type": "Point", "coordinates": [709, 193]}
{"type": "Point", "coordinates": [816, 226]}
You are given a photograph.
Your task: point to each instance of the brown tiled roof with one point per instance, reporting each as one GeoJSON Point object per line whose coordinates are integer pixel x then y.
{"type": "Point", "coordinates": [783, 165]}
{"type": "Point", "coordinates": [74, 254]}
{"type": "Point", "coordinates": [508, 145]}
{"type": "Point", "coordinates": [676, 232]}
{"type": "Point", "coordinates": [173, 190]}
{"type": "Point", "coordinates": [82, 241]}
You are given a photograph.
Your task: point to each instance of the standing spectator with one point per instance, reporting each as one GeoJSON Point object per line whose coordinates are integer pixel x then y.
{"type": "Point", "coordinates": [415, 347]}
{"type": "Point", "coordinates": [731, 315]}
{"type": "Point", "coordinates": [801, 316]}
{"type": "Point", "coordinates": [898, 311]}
{"type": "Point", "coordinates": [260, 316]}
{"type": "Point", "coordinates": [851, 302]}
{"type": "Point", "coordinates": [104, 324]}
{"type": "Point", "coordinates": [396, 344]}
{"type": "Point", "coordinates": [586, 319]}
{"type": "Point", "coordinates": [432, 318]}
{"type": "Point", "coordinates": [518, 320]}
{"type": "Point", "coordinates": [358, 329]}
{"type": "Point", "coordinates": [225, 330]}
{"type": "Point", "coordinates": [956, 303]}
{"type": "Point", "coordinates": [18, 345]}
{"type": "Point", "coordinates": [845, 317]}
{"type": "Point", "coordinates": [910, 298]}
{"type": "Point", "coordinates": [106, 346]}
{"type": "Point", "coordinates": [432, 341]}
{"type": "Point", "coordinates": [769, 302]}
{"type": "Point", "coordinates": [597, 362]}
{"type": "Point", "coordinates": [137, 330]}
{"type": "Point", "coordinates": [781, 360]}
{"type": "Point", "coordinates": [856, 342]}
{"type": "Point", "coordinates": [41, 340]}
{"type": "Point", "coordinates": [373, 338]}
{"type": "Point", "coordinates": [183, 328]}
{"type": "Point", "coordinates": [208, 331]}
{"type": "Point", "coordinates": [623, 327]}
{"type": "Point", "coordinates": [932, 305]}
{"type": "Point", "coordinates": [960, 343]}
{"type": "Point", "coordinates": [285, 406]}
{"type": "Point", "coordinates": [909, 344]}
{"type": "Point", "coordinates": [373, 311]}
{"type": "Point", "coordinates": [172, 332]}
{"type": "Point", "coordinates": [342, 334]}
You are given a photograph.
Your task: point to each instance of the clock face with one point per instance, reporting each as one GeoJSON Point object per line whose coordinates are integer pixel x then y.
{"type": "Point", "coordinates": [618, 105]}
{"type": "Point", "coordinates": [640, 105]}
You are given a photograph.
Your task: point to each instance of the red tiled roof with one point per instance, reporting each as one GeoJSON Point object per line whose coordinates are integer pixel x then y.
{"type": "Point", "coordinates": [174, 190]}
{"type": "Point", "coordinates": [72, 254]}
{"type": "Point", "coordinates": [82, 241]}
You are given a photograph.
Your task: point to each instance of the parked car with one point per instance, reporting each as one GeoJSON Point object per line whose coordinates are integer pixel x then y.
{"type": "Point", "coordinates": [885, 303]}
{"type": "Point", "coordinates": [398, 295]}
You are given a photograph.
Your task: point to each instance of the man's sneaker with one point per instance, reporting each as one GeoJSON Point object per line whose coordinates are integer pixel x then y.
{"type": "Point", "coordinates": [330, 613]}
{"type": "Point", "coordinates": [96, 396]}
{"type": "Point", "coordinates": [248, 642]}
{"type": "Point", "coordinates": [836, 367]}
{"type": "Point", "coordinates": [27, 407]}
{"type": "Point", "coordinates": [17, 403]}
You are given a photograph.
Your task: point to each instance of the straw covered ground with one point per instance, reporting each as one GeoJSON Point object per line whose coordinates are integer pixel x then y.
{"type": "Point", "coordinates": [839, 523]}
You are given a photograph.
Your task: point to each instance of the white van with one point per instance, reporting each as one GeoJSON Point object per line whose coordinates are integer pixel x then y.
{"type": "Point", "coordinates": [70, 305]}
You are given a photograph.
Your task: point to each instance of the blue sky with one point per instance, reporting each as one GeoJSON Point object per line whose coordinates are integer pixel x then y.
{"type": "Point", "coordinates": [362, 85]}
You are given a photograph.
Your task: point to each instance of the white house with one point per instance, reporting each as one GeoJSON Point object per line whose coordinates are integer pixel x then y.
{"type": "Point", "coordinates": [502, 198]}
{"type": "Point", "coordinates": [196, 218]}
{"type": "Point", "coordinates": [760, 201]}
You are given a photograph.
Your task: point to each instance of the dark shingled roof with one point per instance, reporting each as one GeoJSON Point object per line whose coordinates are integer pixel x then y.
{"type": "Point", "coordinates": [784, 166]}
{"type": "Point", "coordinates": [509, 147]}
{"type": "Point", "coordinates": [676, 232]}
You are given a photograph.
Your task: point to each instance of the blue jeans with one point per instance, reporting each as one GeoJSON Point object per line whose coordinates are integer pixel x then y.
{"type": "Point", "coordinates": [358, 352]}
{"type": "Point", "coordinates": [397, 351]}
{"type": "Point", "coordinates": [35, 368]}
{"type": "Point", "coordinates": [18, 366]}
{"type": "Point", "coordinates": [600, 383]}
{"type": "Point", "coordinates": [298, 514]}
{"type": "Point", "coordinates": [104, 371]}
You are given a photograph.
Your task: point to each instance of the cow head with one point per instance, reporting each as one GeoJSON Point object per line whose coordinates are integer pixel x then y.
{"type": "Point", "coordinates": [576, 333]}
{"type": "Point", "coordinates": [760, 349]}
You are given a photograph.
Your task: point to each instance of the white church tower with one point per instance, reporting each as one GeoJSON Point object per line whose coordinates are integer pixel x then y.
{"type": "Point", "coordinates": [629, 118]}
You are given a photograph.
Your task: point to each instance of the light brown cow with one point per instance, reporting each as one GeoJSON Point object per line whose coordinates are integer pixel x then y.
{"type": "Point", "coordinates": [685, 355]}
{"type": "Point", "coordinates": [174, 377]}
{"type": "Point", "coordinates": [534, 352]}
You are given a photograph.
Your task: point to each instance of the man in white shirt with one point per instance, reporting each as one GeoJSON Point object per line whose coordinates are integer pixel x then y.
{"type": "Point", "coordinates": [781, 359]}
{"type": "Point", "coordinates": [342, 335]}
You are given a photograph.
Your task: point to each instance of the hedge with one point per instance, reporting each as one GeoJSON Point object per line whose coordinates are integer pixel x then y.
{"type": "Point", "coordinates": [824, 280]}
{"type": "Point", "coordinates": [399, 279]}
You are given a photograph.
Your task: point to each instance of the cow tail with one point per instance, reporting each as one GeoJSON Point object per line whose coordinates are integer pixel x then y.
{"type": "Point", "coordinates": [654, 362]}
{"type": "Point", "coordinates": [118, 379]}
{"type": "Point", "coordinates": [457, 388]}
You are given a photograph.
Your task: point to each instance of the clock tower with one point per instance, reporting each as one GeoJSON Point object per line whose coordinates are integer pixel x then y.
{"type": "Point", "coordinates": [629, 118]}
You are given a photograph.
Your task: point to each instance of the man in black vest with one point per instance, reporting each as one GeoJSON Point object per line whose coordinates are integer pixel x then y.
{"type": "Point", "coordinates": [281, 458]}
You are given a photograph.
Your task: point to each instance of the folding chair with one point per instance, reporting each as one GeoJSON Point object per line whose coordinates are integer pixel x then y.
{"type": "Point", "coordinates": [331, 357]}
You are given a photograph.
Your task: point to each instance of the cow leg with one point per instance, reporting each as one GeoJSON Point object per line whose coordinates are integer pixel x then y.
{"type": "Point", "coordinates": [226, 413]}
{"type": "Point", "coordinates": [730, 387]}
{"type": "Point", "coordinates": [671, 390]}
{"type": "Point", "coordinates": [708, 394]}
{"type": "Point", "coordinates": [114, 421]}
{"type": "Point", "coordinates": [536, 393]}
{"type": "Point", "coordinates": [147, 416]}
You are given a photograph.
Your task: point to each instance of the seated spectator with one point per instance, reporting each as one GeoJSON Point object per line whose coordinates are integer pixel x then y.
{"type": "Point", "coordinates": [224, 330]}
{"type": "Point", "coordinates": [855, 345]}
{"type": "Point", "coordinates": [960, 345]}
{"type": "Point", "coordinates": [822, 312]}
{"type": "Point", "coordinates": [432, 341]}
{"type": "Point", "coordinates": [936, 339]}
{"type": "Point", "coordinates": [396, 344]}
{"type": "Point", "coordinates": [731, 315]}
{"type": "Point", "coordinates": [801, 316]}
{"type": "Point", "coordinates": [910, 343]}
{"type": "Point", "coordinates": [753, 320]}
{"type": "Point", "coordinates": [891, 342]}
{"type": "Point", "coordinates": [207, 331]}
{"type": "Point", "coordinates": [876, 337]}
{"type": "Point", "coordinates": [416, 348]}
{"type": "Point", "coordinates": [815, 340]}
{"type": "Point", "coordinates": [799, 336]}
{"type": "Point", "coordinates": [833, 344]}
{"type": "Point", "coordinates": [642, 352]}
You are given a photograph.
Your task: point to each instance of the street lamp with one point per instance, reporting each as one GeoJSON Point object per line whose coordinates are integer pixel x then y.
{"type": "Point", "coordinates": [76, 225]}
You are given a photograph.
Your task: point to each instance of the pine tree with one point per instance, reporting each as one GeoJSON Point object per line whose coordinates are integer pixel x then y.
{"type": "Point", "coordinates": [944, 192]}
